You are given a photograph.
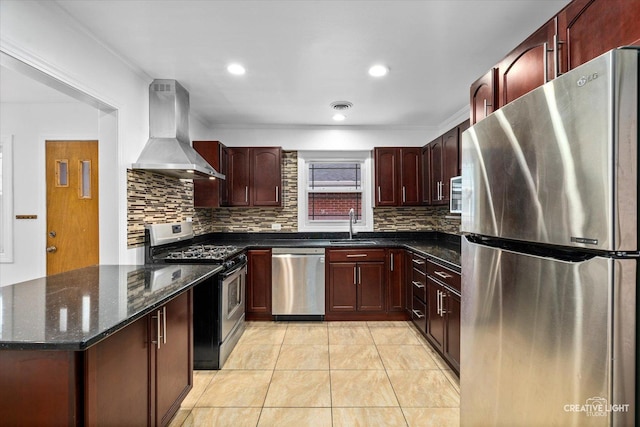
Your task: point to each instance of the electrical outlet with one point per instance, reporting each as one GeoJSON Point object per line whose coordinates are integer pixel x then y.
{"type": "Point", "coordinates": [276, 227]}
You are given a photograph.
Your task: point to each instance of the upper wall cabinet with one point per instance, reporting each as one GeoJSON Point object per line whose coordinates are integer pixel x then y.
{"type": "Point", "coordinates": [207, 193]}
{"type": "Point", "coordinates": [254, 176]}
{"type": "Point", "coordinates": [397, 173]}
{"type": "Point", "coordinates": [442, 159]}
{"type": "Point", "coordinates": [583, 30]}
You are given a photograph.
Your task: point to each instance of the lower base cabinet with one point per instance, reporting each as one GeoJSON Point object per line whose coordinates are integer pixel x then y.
{"type": "Point", "coordinates": [258, 306]}
{"type": "Point", "coordinates": [435, 305]}
{"type": "Point", "coordinates": [138, 376]}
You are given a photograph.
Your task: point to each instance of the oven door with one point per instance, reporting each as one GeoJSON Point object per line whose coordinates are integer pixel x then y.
{"type": "Point", "coordinates": [232, 287]}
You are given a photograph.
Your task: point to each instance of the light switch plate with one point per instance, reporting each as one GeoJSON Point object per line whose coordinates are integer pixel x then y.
{"type": "Point", "coordinates": [276, 227]}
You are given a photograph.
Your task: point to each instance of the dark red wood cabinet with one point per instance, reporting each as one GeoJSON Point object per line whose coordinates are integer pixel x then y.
{"type": "Point", "coordinates": [443, 307]}
{"type": "Point", "coordinates": [254, 176]}
{"type": "Point", "coordinates": [206, 192]}
{"type": "Point", "coordinates": [444, 163]}
{"type": "Point", "coordinates": [483, 96]}
{"type": "Point", "coordinates": [589, 28]}
{"type": "Point", "coordinates": [396, 280]}
{"type": "Point", "coordinates": [528, 66]}
{"type": "Point", "coordinates": [581, 31]}
{"type": "Point", "coordinates": [356, 280]}
{"type": "Point", "coordinates": [136, 376]}
{"type": "Point", "coordinates": [398, 176]}
{"type": "Point", "coordinates": [258, 303]}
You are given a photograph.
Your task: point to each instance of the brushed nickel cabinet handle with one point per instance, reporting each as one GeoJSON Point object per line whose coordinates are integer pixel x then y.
{"type": "Point", "coordinates": [356, 255]}
{"type": "Point", "coordinates": [277, 194]}
{"type": "Point", "coordinates": [443, 274]}
{"type": "Point", "coordinates": [164, 324]}
{"type": "Point", "coordinates": [486, 110]}
{"type": "Point", "coordinates": [418, 314]}
{"type": "Point", "coordinates": [391, 261]}
{"type": "Point", "coordinates": [417, 284]}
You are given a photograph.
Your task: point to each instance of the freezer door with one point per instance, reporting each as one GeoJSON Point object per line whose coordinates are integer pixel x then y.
{"type": "Point", "coordinates": [538, 340]}
{"type": "Point", "coordinates": [559, 164]}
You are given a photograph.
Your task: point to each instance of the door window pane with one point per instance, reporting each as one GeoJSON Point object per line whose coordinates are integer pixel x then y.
{"type": "Point", "coordinates": [85, 179]}
{"type": "Point", "coordinates": [62, 173]}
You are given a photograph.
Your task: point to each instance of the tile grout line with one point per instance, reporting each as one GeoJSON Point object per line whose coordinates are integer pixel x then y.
{"type": "Point", "coordinates": [272, 374]}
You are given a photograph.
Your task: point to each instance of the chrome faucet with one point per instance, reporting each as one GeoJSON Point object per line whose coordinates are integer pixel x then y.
{"type": "Point", "coordinates": [352, 220]}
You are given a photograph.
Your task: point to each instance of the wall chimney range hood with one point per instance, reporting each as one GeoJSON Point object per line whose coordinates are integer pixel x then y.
{"type": "Point", "coordinates": [168, 150]}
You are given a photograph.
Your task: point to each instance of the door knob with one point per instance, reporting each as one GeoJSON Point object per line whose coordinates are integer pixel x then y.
{"type": "Point", "coordinates": [52, 249]}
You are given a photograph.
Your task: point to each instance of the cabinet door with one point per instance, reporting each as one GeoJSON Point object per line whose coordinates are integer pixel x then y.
{"type": "Point", "coordinates": [410, 176]}
{"type": "Point", "coordinates": [452, 341]}
{"type": "Point", "coordinates": [435, 321]}
{"type": "Point", "coordinates": [386, 172]}
{"type": "Point", "coordinates": [266, 171]}
{"type": "Point", "coordinates": [174, 357]}
{"type": "Point", "coordinates": [426, 177]}
{"type": "Point", "coordinates": [206, 192]}
{"type": "Point", "coordinates": [117, 379]}
{"type": "Point", "coordinates": [590, 28]}
{"type": "Point", "coordinates": [238, 177]}
{"type": "Point", "coordinates": [450, 155]}
{"type": "Point", "coordinates": [224, 169]}
{"type": "Point", "coordinates": [343, 277]}
{"type": "Point", "coordinates": [435, 154]}
{"type": "Point", "coordinates": [461, 128]}
{"type": "Point", "coordinates": [371, 286]}
{"type": "Point", "coordinates": [524, 68]}
{"type": "Point", "coordinates": [483, 96]}
{"type": "Point", "coordinates": [259, 283]}
{"type": "Point", "coordinates": [396, 280]}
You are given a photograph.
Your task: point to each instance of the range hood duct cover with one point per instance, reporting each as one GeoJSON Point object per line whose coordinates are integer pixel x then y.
{"type": "Point", "coordinates": [168, 150]}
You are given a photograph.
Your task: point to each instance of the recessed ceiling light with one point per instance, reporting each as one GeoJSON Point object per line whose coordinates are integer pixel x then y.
{"type": "Point", "coordinates": [236, 69]}
{"type": "Point", "coordinates": [339, 117]}
{"type": "Point", "coordinates": [378, 70]}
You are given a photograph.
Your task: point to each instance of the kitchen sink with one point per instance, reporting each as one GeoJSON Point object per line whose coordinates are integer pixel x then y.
{"type": "Point", "coordinates": [352, 242]}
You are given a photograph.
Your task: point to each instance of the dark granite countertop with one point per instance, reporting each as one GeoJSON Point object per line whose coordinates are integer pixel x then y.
{"type": "Point", "coordinates": [74, 310]}
{"type": "Point", "coordinates": [439, 247]}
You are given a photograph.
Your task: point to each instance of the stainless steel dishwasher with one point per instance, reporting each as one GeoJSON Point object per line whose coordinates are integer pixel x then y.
{"type": "Point", "coordinates": [297, 281]}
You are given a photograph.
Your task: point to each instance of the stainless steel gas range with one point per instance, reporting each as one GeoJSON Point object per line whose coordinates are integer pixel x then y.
{"type": "Point", "coordinates": [219, 303]}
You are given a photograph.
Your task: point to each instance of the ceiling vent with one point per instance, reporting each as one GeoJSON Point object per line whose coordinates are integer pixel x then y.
{"type": "Point", "coordinates": [341, 105]}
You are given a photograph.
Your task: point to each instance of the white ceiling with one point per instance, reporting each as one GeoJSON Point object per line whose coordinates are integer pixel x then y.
{"type": "Point", "coordinates": [302, 55]}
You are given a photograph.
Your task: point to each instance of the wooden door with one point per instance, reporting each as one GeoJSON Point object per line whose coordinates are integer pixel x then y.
{"type": "Point", "coordinates": [524, 68]}
{"type": "Point", "coordinates": [483, 96]}
{"type": "Point", "coordinates": [258, 303]}
{"type": "Point", "coordinates": [410, 174]}
{"type": "Point", "coordinates": [435, 322]}
{"type": "Point", "coordinates": [72, 205]}
{"type": "Point", "coordinates": [266, 171]}
{"type": "Point", "coordinates": [452, 341]}
{"type": "Point", "coordinates": [371, 286]}
{"type": "Point", "coordinates": [238, 177]}
{"type": "Point", "coordinates": [386, 176]}
{"type": "Point", "coordinates": [435, 161]}
{"type": "Point", "coordinates": [206, 192]}
{"type": "Point", "coordinates": [590, 28]}
{"type": "Point", "coordinates": [343, 278]}
{"type": "Point", "coordinates": [174, 358]}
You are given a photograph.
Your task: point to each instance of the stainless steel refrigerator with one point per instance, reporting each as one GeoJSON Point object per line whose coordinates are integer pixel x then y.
{"type": "Point", "coordinates": [550, 253]}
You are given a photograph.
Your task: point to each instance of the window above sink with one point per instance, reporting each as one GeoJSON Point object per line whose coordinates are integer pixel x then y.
{"type": "Point", "coordinates": [329, 185]}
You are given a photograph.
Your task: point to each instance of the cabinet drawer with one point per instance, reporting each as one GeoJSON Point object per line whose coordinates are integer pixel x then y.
{"type": "Point", "coordinates": [444, 275]}
{"type": "Point", "coordinates": [419, 263]}
{"type": "Point", "coordinates": [419, 314]}
{"type": "Point", "coordinates": [356, 255]}
{"type": "Point", "coordinates": [419, 285]}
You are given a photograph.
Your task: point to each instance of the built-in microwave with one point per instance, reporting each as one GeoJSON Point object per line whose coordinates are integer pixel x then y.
{"type": "Point", "coordinates": [455, 195]}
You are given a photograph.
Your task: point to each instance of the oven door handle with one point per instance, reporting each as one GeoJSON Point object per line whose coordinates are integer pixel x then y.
{"type": "Point", "coordinates": [234, 271]}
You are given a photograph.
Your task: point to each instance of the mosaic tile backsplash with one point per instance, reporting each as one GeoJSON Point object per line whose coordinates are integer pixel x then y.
{"type": "Point", "coordinates": [153, 198]}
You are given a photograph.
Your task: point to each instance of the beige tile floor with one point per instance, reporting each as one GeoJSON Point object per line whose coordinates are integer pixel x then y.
{"type": "Point", "coordinates": [326, 374]}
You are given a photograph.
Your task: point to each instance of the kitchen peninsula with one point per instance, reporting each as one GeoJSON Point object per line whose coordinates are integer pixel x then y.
{"type": "Point", "coordinates": [104, 345]}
